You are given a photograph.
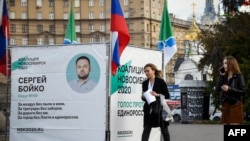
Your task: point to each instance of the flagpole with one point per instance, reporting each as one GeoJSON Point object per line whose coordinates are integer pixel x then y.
{"type": "Point", "coordinates": [7, 52]}
{"type": "Point", "coordinates": [119, 39]}
{"type": "Point", "coordinates": [164, 68]}
{"type": "Point", "coordinates": [71, 35]}
{"type": "Point", "coordinates": [109, 90]}
{"type": "Point", "coordinates": [7, 77]}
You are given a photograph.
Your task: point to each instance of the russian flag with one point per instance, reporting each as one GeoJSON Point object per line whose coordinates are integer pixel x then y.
{"type": "Point", "coordinates": [4, 35]}
{"type": "Point", "coordinates": [119, 34]}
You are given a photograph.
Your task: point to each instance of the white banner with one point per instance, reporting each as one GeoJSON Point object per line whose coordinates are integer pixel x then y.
{"type": "Point", "coordinates": [126, 104]}
{"type": "Point", "coordinates": [45, 107]}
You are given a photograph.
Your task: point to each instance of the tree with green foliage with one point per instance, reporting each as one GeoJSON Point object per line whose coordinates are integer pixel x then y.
{"type": "Point", "coordinates": [231, 37]}
{"type": "Point", "coordinates": [231, 7]}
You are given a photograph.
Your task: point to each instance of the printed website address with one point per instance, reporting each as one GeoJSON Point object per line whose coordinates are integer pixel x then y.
{"type": "Point", "coordinates": [30, 130]}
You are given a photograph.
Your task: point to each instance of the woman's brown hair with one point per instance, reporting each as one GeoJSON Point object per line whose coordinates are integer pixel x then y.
{"type": "Point", "coordinates": [158, 73]}
{"type": "Point", "coordinates": [232, 64]}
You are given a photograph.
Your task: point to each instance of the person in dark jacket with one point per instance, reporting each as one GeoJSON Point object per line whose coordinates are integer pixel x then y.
{"type": "Point", "coordinates": [155, 85]}
{"type": "Point", "coordinates": [231, 84]}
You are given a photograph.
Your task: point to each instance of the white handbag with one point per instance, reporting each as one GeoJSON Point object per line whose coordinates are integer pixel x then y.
{"type": "Point", "coordinates": [166, 111]}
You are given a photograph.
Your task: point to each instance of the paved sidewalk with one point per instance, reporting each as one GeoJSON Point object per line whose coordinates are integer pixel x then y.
{"type": "Point", "coordinates": [196, 132]}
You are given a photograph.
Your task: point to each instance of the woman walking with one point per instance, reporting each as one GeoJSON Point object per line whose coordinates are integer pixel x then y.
{"type": "Point", "coordinates": [155, 85]}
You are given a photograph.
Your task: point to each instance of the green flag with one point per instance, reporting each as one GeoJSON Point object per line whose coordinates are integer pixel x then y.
{"type": "Point", "coordinates": [70, 35]}
{"type": "Point", "coordinates": [166, 39]}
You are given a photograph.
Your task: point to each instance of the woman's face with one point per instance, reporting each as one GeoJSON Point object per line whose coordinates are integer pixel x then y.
{"type": "Point", "coordinates": [225, 64]}
{"type": "Point", "coordinates": [149, 72]}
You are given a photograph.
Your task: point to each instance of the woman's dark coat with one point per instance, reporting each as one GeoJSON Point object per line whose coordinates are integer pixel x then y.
{"type": "Point", "coordinates": [160, 87]}
{"type": "Point", "coordinates": [236, 87]}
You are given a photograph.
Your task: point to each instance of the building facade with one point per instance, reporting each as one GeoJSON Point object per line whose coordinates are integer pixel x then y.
{"type": "Point", "coordinates": [39, 22]}
{"type": "Point", "coordinates": [43, 22]}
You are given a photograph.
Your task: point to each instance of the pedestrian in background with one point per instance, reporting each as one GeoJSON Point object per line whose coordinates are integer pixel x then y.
{"type": "Point", "coordinates": [155, 85]}
{"type": "Point", "coordinates": [231, 84]}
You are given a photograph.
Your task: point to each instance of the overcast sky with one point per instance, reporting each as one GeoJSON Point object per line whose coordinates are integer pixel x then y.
{"type": "Point", "coordinates": [183, 9]}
